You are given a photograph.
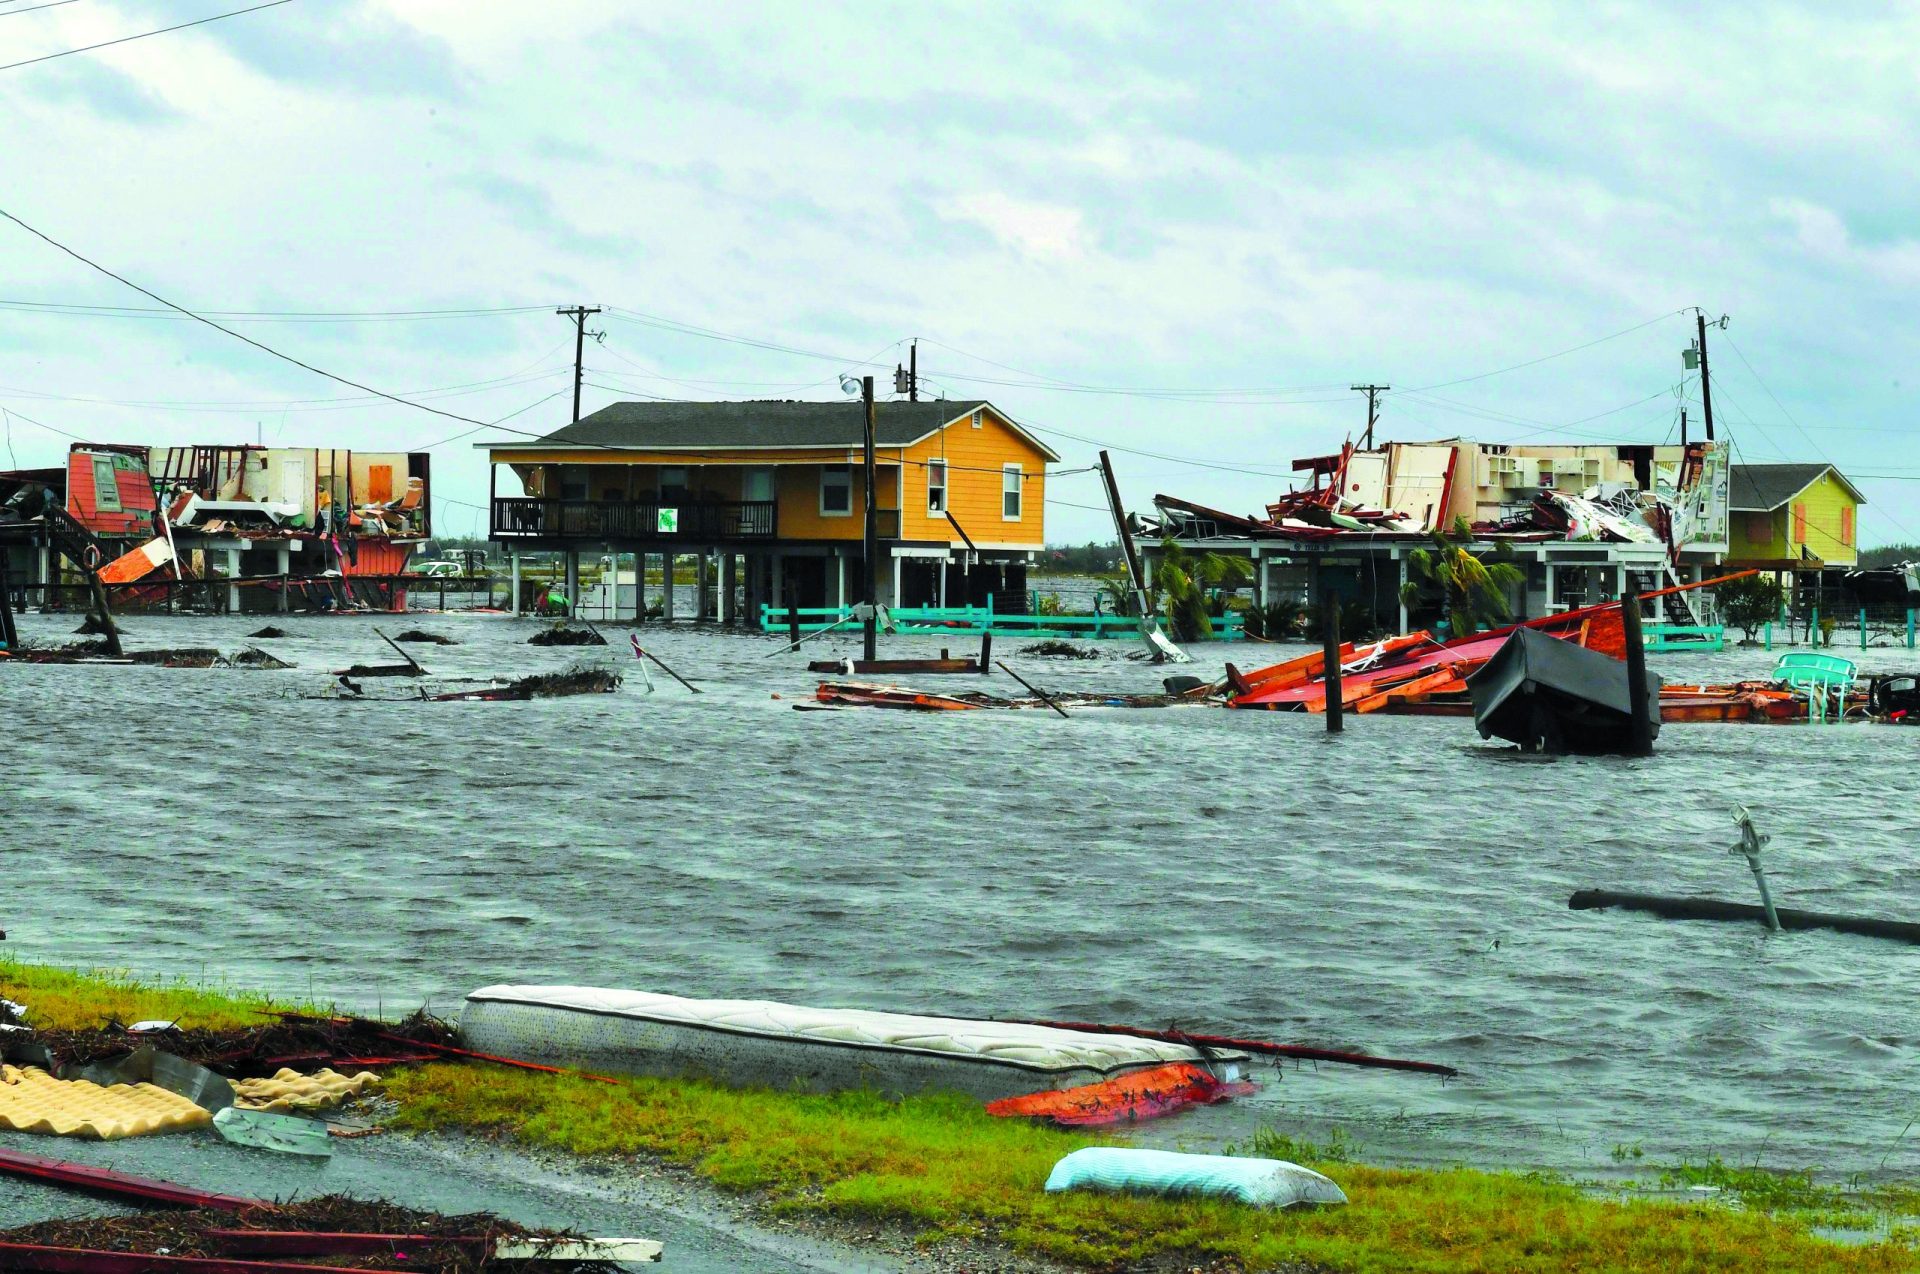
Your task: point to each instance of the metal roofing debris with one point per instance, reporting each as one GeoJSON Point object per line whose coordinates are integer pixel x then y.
{"type": "Point", "coordinates": [33, 1101]}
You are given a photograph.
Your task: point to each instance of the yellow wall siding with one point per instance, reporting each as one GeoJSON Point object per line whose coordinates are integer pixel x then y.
{"type": "Point", "coordinates": [798, 492]}
{"type": "Point", "coordinates": [1742, 544]}
{"type": "Point", "coordinates": [1824, 501]}
{"type": "Point", "coordinates": [974, 458]}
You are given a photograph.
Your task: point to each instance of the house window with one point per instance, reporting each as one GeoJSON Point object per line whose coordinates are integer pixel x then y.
{"type": "Point", "coordinates": [106, 490]}
{"type": "Point", "coordinates": [937, 486]}
{"type": "Point", "coordinates": [1800, 524]}
{"type": "Point", "coordinates": [673, 485]}
{"type": "Point", "coordinates": [979, 418]}
{"type": "Point", "coordinates": [1010, 492]}
{"type": "Point", "coordinates": [836, 490]}
{"type": "Point", "coordinates": [1846, 525]}
{"type": "Point", "coordinates": [573, 482]}
{"type": "Point", "coordinates": [1759, 528]}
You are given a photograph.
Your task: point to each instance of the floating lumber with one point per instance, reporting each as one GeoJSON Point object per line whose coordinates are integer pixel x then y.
{"type": "Point", "coordinates": [869, 666]}
{"type": "Point", "coordinates": [1714, 909]}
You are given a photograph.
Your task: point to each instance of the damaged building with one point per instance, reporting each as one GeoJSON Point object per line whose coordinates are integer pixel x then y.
{"type": "Point", "coordinates": [255, 528]}
{"type": "Point", "coordinates": [1584, 524]}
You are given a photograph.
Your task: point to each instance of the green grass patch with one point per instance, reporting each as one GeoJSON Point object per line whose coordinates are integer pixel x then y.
{"type": "Point", "coordinates": [61, 999]}
{"type": "Point", "coordinates": [940, 1165]}
{"type": "Point", "coordinates": [942, 1168]}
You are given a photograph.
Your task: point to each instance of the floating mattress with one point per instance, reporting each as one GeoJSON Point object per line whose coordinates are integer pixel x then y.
{"type": "Point", "coordinates": [765, 1043]}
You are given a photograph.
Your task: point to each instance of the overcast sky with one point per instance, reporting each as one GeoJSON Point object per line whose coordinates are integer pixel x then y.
{"type": "Point", "coordinates": [1251, 207]}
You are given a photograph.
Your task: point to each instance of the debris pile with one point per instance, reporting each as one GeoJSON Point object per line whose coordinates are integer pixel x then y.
{"type": "Point", "coordinates": [549, 685]}
{"type": "Point", "coordinates": [421, 635]}
{"type": "Point", "coordinates": [1054, 648]}
{"type": "Point", "coordinates": [346, 1233]}
{"type": "Point", "coordinates": [561, 635]}
{"type": "Point", "coordinates": [271, 631]}
{"type": "Point", "coordinates": [254, 657]}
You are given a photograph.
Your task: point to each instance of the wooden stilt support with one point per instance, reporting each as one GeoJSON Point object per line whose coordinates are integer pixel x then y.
{"type": "Point", "coordinates": [1330, 660]}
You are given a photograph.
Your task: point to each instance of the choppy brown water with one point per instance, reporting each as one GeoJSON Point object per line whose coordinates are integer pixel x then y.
{"type": "Point", "coordinates": [1400, 889]}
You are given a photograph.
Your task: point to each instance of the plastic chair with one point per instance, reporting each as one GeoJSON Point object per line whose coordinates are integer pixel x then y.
{"type": "Point", "coordinates": [1818, 676]}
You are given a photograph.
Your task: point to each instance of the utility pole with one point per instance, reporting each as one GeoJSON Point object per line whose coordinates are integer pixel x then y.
{"type": "Point", "coordinates": [1373, 393]}
{"type": "Point", "coordinates": [578, 314]}
{"type": "Point", "coordinates": [906, 380]}
{"type": "Point", "coordinates": [870, 549]}
{"type": "Point", "coordinates": [1706, 385]}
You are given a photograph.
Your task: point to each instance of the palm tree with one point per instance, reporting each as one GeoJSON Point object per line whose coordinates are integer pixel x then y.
{"type": "Point", "coordinates": [1472, 593]}
{"type": "Point", "coordinates": [1182, 583]}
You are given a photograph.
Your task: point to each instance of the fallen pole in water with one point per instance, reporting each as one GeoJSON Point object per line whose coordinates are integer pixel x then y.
{"type": "Point", "coordinates": [1305, 1052]}
{"type": "Point", "coordinates": [1029, 685]}
{"type": "Point", "coordinates": [637, 649]}
{"type": "Point", "coordinates": [403, 654]}
{"type": "Point", "coordinates": [1714, 909]}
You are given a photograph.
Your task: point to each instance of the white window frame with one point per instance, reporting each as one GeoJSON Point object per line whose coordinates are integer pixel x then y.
{"type": "Point", "coordinates": [1018, 490]}
{"type": "Point", "coordinates": [843, 470]}
{"type": "Point", "coordinates": [106, 485]}
{"type": "Point", "coordinates": [939, 505]}
{"type": "Point", "coordinates": [979, 418]}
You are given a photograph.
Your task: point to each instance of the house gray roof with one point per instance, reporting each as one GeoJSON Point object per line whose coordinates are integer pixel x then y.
{"type": "Point", "coordinates": [692, 426]}
{"type": "Point", "coordinates": [1762, 488]}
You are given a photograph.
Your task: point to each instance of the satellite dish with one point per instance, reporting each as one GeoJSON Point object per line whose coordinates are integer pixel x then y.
{"type": "Point", "coordinates": [849, 386]}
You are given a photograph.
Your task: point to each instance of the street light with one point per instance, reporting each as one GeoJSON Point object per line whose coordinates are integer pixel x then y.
{"type": "Point", "coordinates": [869, 548]}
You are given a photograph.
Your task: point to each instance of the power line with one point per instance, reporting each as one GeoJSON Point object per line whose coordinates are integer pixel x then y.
{"type": "Point", "coordinates": [353, 384]}
{"type": "Point", "coordinates": [105, 44]}
{"type": "Point", "coordinates": [244, 406]}
{"type": "Point", "coordinates": [1545, 358]}
{"type": "Point", "coordinates": [148, 312]}
{"type": "Point", "coordinates": [14, 13]}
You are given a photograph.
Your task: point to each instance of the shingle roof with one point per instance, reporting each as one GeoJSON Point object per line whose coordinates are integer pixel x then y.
{"type": "Point", "coordinates": [1762, 488]}
{"type": "Point", "coordinates": [771, 423]}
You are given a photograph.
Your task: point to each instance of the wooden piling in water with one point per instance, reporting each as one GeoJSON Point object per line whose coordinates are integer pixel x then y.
{"type": "Point", "coordinates": [1330, 663]}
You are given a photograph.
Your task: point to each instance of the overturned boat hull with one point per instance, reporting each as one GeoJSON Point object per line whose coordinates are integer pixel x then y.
{"type": "Point", "coordinates": [763, 1043]}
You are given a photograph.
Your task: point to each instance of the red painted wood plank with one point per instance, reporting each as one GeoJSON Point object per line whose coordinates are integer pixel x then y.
{"type": "Point", "coordinates": [119, 1184]}
{"type": "Point", "coordinates": [80, 1260]}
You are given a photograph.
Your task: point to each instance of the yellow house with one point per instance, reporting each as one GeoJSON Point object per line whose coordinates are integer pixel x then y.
{"type": "Point", "coordinates": [1792, 517]}
{"type": "Point", "coordinates": [773, 492]}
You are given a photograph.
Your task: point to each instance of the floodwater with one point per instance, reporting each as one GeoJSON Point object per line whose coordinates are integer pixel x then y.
{"type": "Point", "coordinates": [1399, 889]}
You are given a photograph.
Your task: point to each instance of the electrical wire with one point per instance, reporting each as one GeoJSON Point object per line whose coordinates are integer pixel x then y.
{"type": "Point", "coordinates": [353, 384]}
{"type": "Point", "coordinates": [14, 13]}
{"type": "Point", "coordinates": [181, 26]}
{"type": "Point", "coordinates": [1544, 358]}
{"type": "Point", "coordinates": [147, 312]}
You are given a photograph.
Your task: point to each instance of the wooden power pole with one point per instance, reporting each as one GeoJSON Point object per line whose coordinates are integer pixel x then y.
{"type": "Point", "coordinates": [578, 314]}
{"type": "Point", "coordinates": [1706, 384]}
{"type": "Point", "coordinates": [1373, 393]}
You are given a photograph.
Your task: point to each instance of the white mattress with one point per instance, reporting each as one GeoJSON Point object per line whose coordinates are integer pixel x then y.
{"type": "Point", "coordinates": [766, 1041]}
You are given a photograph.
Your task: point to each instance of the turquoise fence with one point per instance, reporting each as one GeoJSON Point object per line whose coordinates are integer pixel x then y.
{"type": "Point", "coordinates": [946, 621]}
{"type": "Point", "coordinates": [1683, 637]}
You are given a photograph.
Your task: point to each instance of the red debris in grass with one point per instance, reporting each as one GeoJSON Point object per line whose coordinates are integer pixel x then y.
{"type": "Point", "coordinates": [1145, 1094]}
